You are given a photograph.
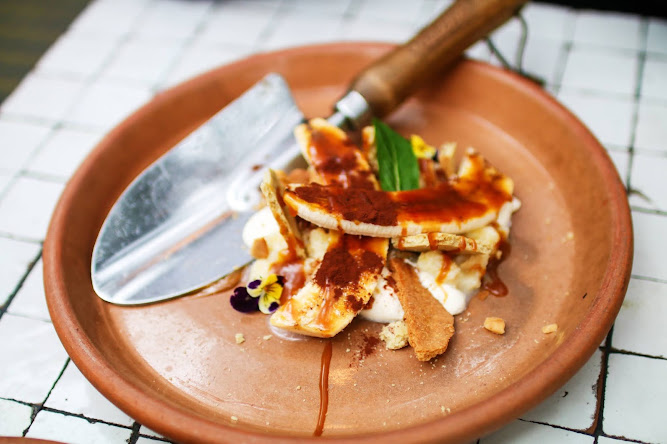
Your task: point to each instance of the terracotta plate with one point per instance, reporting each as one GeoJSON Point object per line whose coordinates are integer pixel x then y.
{"type": "Point", "coordinates": [175, 366]}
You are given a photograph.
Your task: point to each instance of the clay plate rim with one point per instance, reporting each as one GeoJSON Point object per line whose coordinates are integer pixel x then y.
{"type": "Point", "coordinates": [466, 424]}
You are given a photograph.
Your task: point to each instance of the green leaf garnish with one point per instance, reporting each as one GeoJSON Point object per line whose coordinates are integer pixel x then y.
{"type": "Point", "coordinates": [398, 166]}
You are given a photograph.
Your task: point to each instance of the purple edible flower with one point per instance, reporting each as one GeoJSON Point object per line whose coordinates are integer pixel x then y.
{"type": "Point", "coordinates": [242, 301]}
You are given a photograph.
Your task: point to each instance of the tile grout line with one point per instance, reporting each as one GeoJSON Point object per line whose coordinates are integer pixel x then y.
{"type": "Point", "coordinates": [602, 385]}
{"type": "Point", "coordinates": [648, 211]}
{"type": "Point", "coordinates": [21, 238]}
{"type": "Point", "coordinates": [40, 406]}
{"type": "Point", "coordinates": [20, 283]}
{"type": "Point", "coordinates": [134, 436]}
{"type": "Point", "coordinates": [641, 62]}
{"type": "Point", "coordinates": [617, 351]}
{"type": "Point", "coordinates": [555, 426]}
{"type": "Point", "coordinates": [648, 278]}
{"type": "Point", "coordinates": [185, 46]}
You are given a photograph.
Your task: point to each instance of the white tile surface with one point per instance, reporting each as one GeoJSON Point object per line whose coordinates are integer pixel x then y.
{"type": "Point", "coordinates": [5, 178]}
{"type": "Point", "coordinates": [144, 440]}
{"type": "Point", "coordinates": [73, 430]}
{"type": "Point", "coordinates": [30, 301]}
{"type": "Point", "coordinates": [648, 177]}
{"type": "Point", "coordinates": [574, 405]}
{"type": "Point", "coordinates": [650, 245]}
{"type": "Point", "coordinates": [42, 97]}
{"type": "Point", "coordinates": [146, 431]}
{"type": "Point", "coordinates": [14, 418]}
{"type": "Point", "coordinates": [651, 132]}
{"type": "Point", "coordinates": [656, 39]}
{"type": "Point", "coordinates": [18, 141]}
{"type": "Point", "coordinates": [602, 71]}
{"type": "Point", "coordinates": [172, 19]}
{"type": "Point", "coordinates": [73, 393]}
{"type": "Point", "coordinates": [32, 358]}
{"type": "Point", "coordinates": [105, 105]}
{"type": "Point", "coordinates": [640, 325]}
{"type": "Point", "coordinates": [522, 432]}
{"type": "Point", "coordinates": [294, 31]}
{"type": "Point", "coordinates": [15, 257]}
{"type": "Point", "coordinates": [609, 118]}
{"type": "Point", "coordinates": [239, 27]}
{"type": "Point", "coordinates": [26, 208]}
{"type": "Point", "coordinates": [654, 83]}
{"type": "Point", "coordinates": [549, 21]}
{"type": "Point", "coordinates": [606, 440]}
{"type": "Point", "coordinates": [397, 11]}
{"type": "Point", "coordinates": [63, 151]}
{"type": "Point", "coordinates": [620, 160]}
{"type": "Point", "coordinates": [640, 383]}
{"type": "Point", "coordinates": [109, 17]}
{"type": "Point", "coordinates": [199, 59]}
{"type": "Point", "coordinates": [541, 55]}
{"type": "Point", "coordinates": [319, 7]}
{"type": "Point", "coordinates": [360, 30]}
{"type": "Point", "coordinates": [79, 56]}
{"type": "Point", "coordinates": [141, 61]}
{"type": "Point", "coordinates": [608, 29]}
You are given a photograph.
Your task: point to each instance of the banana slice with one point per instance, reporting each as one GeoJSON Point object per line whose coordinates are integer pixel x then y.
{"type": "Point", "coordinates": [340, 287]}
{"type": "Point", "coordinates": [273, 190]}
{"type": "Point", "coordinates": [333, 156]}
{"type": "Point", "coordinates": [464, 203]}
{"type": "Point", "coordinates": [350, 268]}
{"type": "Point", "coordinates": [441, 241]}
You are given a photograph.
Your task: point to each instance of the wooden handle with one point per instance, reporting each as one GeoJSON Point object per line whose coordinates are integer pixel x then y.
{"type": "Point", "coordinates": [387, 82]}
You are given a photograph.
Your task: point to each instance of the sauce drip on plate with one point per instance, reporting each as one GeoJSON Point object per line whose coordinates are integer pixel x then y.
{"type": "Point", "coordinates": [324, 388]}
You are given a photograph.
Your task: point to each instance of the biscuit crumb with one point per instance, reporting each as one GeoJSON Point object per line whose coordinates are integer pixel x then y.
{"type": "Point", "coordinates": [395, 335]}
{"type": "Point", "coordinates": [495, 325]}
{"type": "Point", "coordinates": [267, 337]}
{"type": "Point", "coordinates": [240, 339]}
{"type": "Point", "coordinates": [234, 418]}
{"type": "Point", "coordinates": [259, 249]}
{"type": "Point", "coordinates": [551, 328]}
{"type": "Point", "coordinates": [298, 387]}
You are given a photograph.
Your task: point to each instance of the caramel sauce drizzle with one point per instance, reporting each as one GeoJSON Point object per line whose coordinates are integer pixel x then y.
{"type": "Point", "coordinates": [324, 388]}
{"type": "Point", "coordinates": [446, 265]}
{"type": "Point", "coordinates": [492, 283]}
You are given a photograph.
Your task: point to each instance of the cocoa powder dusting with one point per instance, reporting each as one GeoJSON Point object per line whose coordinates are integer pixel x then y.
{"type": "Point", "coordinates": [368, 346]}
{"type": "Point", "coordinates": [358, 204]}
{"type": "Point", "coordinates": [340, 269]}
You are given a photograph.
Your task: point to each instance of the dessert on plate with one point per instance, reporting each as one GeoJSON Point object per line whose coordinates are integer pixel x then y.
{"type": "Point", "coordinates": [392, 231]}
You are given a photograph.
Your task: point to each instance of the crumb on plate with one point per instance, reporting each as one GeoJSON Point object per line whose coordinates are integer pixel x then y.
{"type": "Point", "coordinates": [395, 335]}
{"type": "Point", "coordinates": [495, 325]}
{"type": "Point", "coordinates": [551, 328]}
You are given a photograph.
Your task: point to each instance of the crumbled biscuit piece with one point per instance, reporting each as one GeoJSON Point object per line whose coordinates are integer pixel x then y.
{"type": "Point", "coordinates": [551, 328]}
{"type": "Point", "coordinates": [234, 418]}
{"type": "Point", "coordinates": [395, 335]}
{"type": "Point", "coordinates": [240, 339]}
{"type": "Point", "coordinates": [495, 325]}
{"type": "Point", "coordinates": [259, 249]}
{"type": "Point", "coordinates": [267, 337]}
{"type": "Point", "coordinates": [430, 326]}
